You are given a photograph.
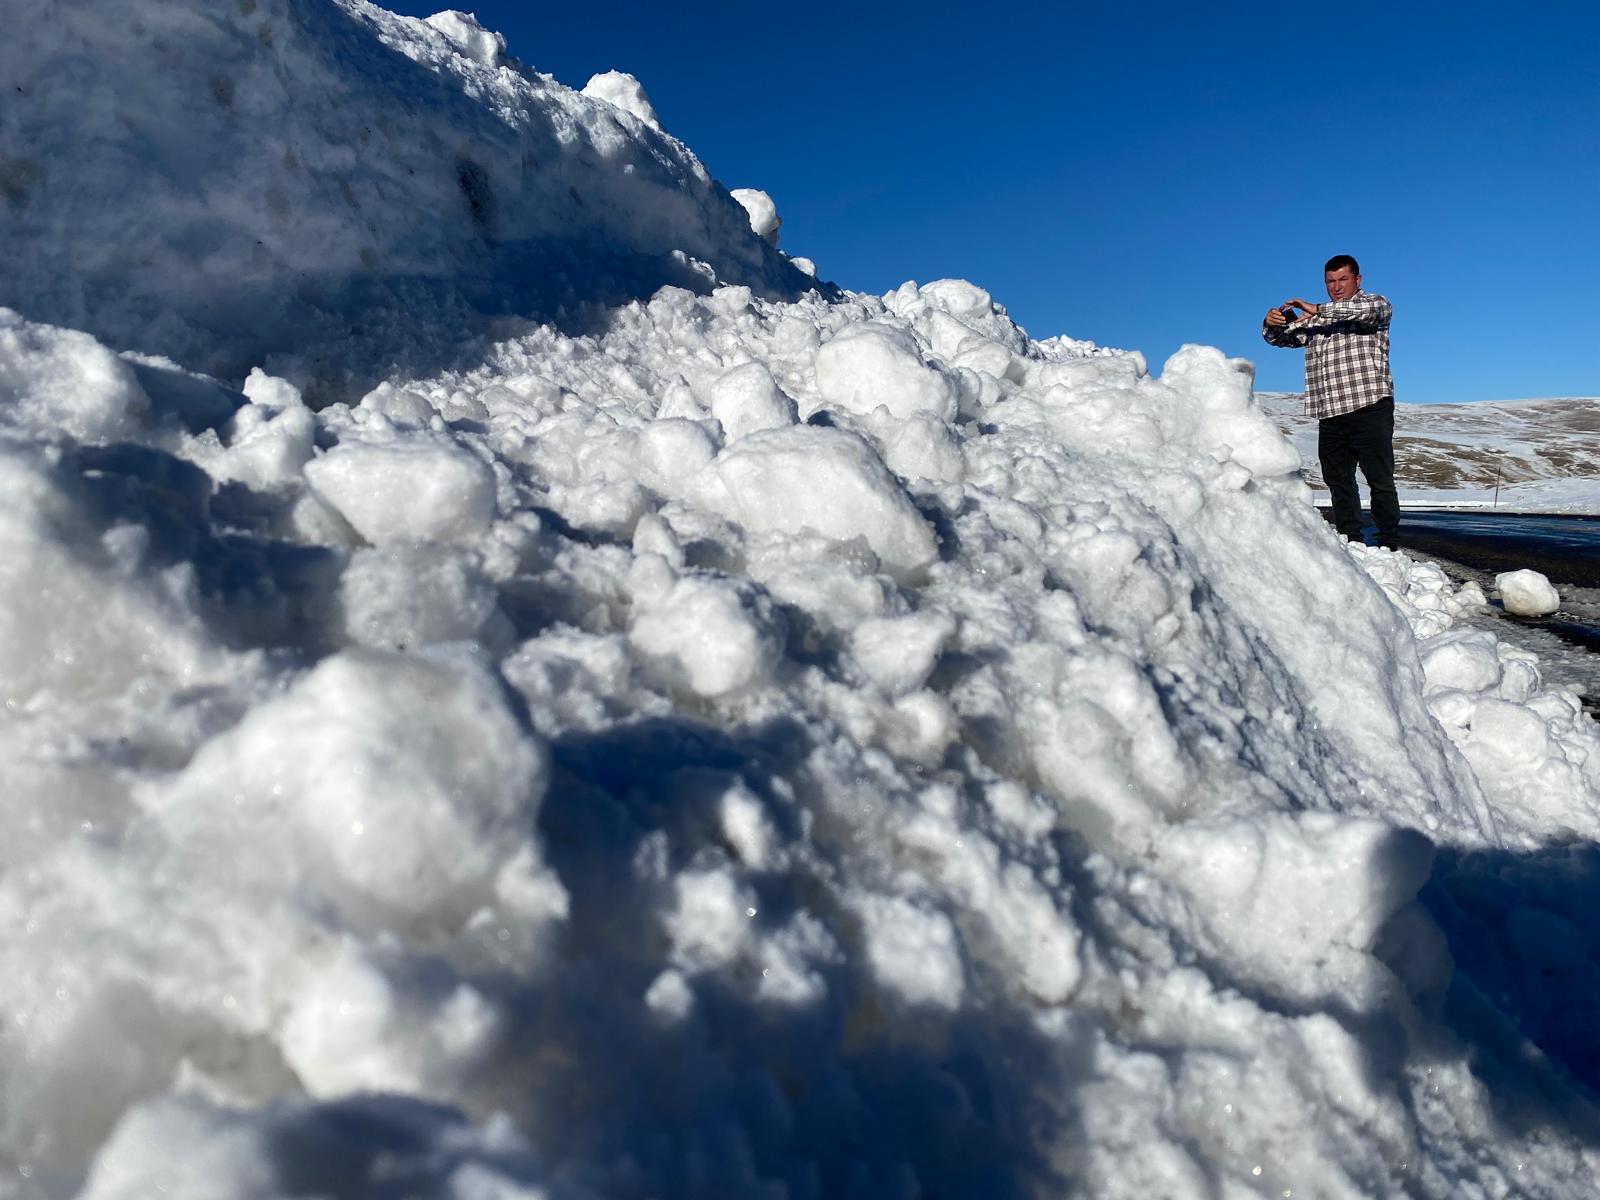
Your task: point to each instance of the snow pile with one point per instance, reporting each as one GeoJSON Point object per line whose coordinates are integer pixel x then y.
{"type": "Point", "coordinates": [332, 187]}
{"type": "Point", "coordinates": [823, 746]}
{"type": "Point", "coordinates": [1525, 742]}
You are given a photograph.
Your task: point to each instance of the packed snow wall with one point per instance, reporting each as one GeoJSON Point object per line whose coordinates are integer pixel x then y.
{"type": "Point", "coordinates": [221, 182]}
{"type": "Point", "coordinates": [814, 747]}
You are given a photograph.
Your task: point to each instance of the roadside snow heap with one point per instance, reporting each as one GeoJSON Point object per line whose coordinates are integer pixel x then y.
{"type": "Point", "coordinates": [683, 731]}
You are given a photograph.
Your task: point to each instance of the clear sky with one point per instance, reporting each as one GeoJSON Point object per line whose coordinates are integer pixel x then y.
{"type": "Point", "coordinates": [1149, 174]}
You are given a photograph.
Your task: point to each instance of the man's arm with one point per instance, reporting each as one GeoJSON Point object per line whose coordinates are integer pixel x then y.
{"type": "Point", "coordinates": [1275, 329]}
{"type": "Point", "coordinates": [1361, 313]}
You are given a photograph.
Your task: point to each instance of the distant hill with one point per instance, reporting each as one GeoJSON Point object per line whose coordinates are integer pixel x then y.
{"type": "Point", "coordinates": [1544, 454]}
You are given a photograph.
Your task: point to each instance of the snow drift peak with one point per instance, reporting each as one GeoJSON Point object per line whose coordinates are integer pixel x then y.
{"type": "Point", "coordinates": [327, 175]}
{"type": "Point", "coordinates": [763, 212]}
{"type": "Point", "coordinates": [624, 91]}
{"type": "Point", "coordinates": [472, 39]}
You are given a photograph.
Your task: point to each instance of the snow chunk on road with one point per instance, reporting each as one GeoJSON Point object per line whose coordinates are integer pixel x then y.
{"type": "Point", "coordinates": [763, 212]}
{"type": "Point", "coordinates": [625, 92]}
{"type": "Point", "coordinates": [1527, 593]}
{"type": "Point", "coordinates": [869, 365]}
{"type": "Point", "coordinates": [828, 481]}
{"type": "Point", "coordinates": [412, 490]}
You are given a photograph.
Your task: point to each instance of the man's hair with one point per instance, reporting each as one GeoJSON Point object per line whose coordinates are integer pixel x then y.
{"type": "Point", "coordinates": [1342, 260]}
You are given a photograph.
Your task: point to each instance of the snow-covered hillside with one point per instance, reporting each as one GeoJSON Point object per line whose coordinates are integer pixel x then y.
{"type": "Point", "coordinates": [699, 735]}
{"type": "Point", "coordinates": [1521, 455]}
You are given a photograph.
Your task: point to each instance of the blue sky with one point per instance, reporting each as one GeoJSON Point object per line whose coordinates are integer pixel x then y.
{"type": "Point", "coordinates": [1149, 174]}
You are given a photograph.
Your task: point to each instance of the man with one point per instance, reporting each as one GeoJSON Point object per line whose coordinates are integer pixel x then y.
{"type": "Point", "coordinates": [1349, 390]}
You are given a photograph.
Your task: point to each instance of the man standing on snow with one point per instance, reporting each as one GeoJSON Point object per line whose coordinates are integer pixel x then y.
{"type": "Point", "coordinates": [1349, 390]}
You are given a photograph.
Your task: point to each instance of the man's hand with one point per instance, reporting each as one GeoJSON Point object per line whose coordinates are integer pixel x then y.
{"type": "Point", "coordinates": [1304, 306]}
{"type": "Point", "coordinates": [1275, 317]}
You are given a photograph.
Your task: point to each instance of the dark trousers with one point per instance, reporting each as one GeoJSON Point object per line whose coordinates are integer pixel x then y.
{"type": "Point", "coordinates": [1363, 438]}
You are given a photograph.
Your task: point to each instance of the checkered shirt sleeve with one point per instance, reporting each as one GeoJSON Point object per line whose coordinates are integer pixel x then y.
{"type": "Point", "coordinates": [1347, 353]}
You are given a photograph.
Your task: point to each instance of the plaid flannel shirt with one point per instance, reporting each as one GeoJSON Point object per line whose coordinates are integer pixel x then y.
{"type": "Point", "coordinates": [1347, 353]}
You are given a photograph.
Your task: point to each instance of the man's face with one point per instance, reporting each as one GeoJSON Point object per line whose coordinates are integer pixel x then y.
{"type": "Point", "coordinates": [1342, 284]}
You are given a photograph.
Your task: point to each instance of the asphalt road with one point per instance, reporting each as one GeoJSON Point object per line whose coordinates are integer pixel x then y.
{"type": "Point", "coordinates": [1566, 550]}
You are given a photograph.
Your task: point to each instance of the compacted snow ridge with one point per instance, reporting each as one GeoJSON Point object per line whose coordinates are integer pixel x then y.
{"type": "Point", "coordinates": [508, 688]}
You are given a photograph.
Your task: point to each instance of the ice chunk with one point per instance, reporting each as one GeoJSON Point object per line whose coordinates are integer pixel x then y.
{"type": "Point", "coordinates": [407, 595]}
{"type": "Point", "coordinates": [359, 1024]}
{"type": "Point", "coordinates": [763, 212]}
{"type": "Point", "coordinates": [1527, 593]}
{"type": "Point", "coordinates": [625, 92]}
{"type": "Point", "coordinates": [709, 637]}
{"type": "Point", "coordinates": [1461, 659]}
{"type": "Point", "coordinates": [269, 440]}
{"type": "Point", "coordinates": [1228, 420]}
{"type": "Point", "coordinates": [958, 297]}
{"type": "Point", "coordinates": [898, 653]}
{"type": "Point", "coordinates": [924, 448]}
{"type": "Point", "coordinates": [1284, 892]}
{"type": "Point", "coordinates": [828, 481]}
{"type": "Point", "coordinates": [1516, 734]}
{"type": "Point", "coordinates": [913, 951]}
{"type": "Point", "coordinates": [747, 399]}
{"type": "Point", "coordinates": [271, 392]}
{"type": "Point", "coordinates": [868, 365]}
{"type": "Point", "coordinates": [469, 37]}
{"type": "Point", "coordinates": [709, 922]}
{"type": "Point", "coordinates": [398, 406]}
{"type": "Point", "coordinates": [406, 490]}
{"type": "Point", "coordinates": [398, 786]}
{"type": "Point", "coordinates": [183, 1148]}
{"type": "Point", "coordinates": [669, 996]}
{"type": "Point", "coordinates": [72, 619]}
{"type": "Point", "coordinates": [62, 380]}
{"type": "Point", "coordinates": [746, 827]}
{"type": "Point", "coordinates": [993, 359]}
{"type": "Point", "coordinates": [674, 450]}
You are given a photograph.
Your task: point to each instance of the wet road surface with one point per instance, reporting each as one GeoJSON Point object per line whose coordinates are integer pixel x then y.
{"type": "Point", "coordinates": [1563, 549]}
{"type": "Point", "coordinates": [1566, 550]}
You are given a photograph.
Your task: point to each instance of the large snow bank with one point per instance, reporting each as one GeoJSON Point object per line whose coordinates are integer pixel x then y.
{"type": "Point", "coordinates": [221, 182]}
{"type": "Point", "coordinates": [753, 748]}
